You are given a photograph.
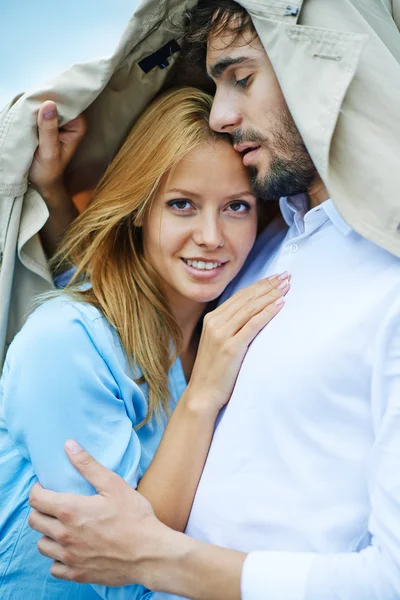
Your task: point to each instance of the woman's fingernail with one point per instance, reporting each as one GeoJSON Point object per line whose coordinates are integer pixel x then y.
{"type": "Point", "coordinates": [283, 285]}
{"type": "Point", "coordinates": [280, 301]}
{"type": "Point", "coordinates": [284, 275]}
{"type": "Point", "coordinates": [73, 447]}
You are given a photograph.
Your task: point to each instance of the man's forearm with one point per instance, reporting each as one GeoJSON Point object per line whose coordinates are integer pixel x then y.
{"type": "Point", "coordinates": [193, 569]}
{"type": "Point", "coordinates": [115, 539]}
{"type": "Point", "coordinates": [62, 213]}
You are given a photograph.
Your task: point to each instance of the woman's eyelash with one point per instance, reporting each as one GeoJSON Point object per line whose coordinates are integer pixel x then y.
{"type": "Point", "coordinates": [242, 82]}
{"type": "Point", "coordinates": [242, 204]}
{"type": "Point", "coordinates": [176, 203]}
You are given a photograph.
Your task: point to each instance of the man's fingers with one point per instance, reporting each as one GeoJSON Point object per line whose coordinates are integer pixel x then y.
{"type": "Point", "coordinates": [45, 501]}
{"type": "Point", "coordinates": [77, 125]}
{"type": "Point", "coordinates": [54, 140]}
{"type": "Point", "coordinates": [101, 478]}
{"type": "Point", "coordinates": [61, 571]}
{"type": "Point", "coordinates": [51, 549]}
{"type": "Point", "coordinates": [49, 143]}
{"type": "Point", "coordinates": [46, 525]}
{"type": "Point", "coordinates": [71, 134]}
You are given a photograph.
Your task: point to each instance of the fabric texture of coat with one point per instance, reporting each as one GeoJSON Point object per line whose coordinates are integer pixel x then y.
{"type": "Point", "coordinates": [338, 64]}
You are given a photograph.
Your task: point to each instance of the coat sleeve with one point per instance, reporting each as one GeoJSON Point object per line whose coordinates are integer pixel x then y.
{"type": "Point", "coordinates": [396, 13]}
{"type": "Point", "coordinates": [373, 572]}
{"type": "Point", "coordinates": [57, 385]}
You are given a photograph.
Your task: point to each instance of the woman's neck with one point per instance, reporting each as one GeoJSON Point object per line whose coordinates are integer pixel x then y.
{"type": "Point", "coordinates": [188, 318]}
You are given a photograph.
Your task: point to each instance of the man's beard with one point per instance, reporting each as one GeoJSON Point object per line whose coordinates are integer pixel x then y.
{"type": "Point", "coordinates": [291, 170]}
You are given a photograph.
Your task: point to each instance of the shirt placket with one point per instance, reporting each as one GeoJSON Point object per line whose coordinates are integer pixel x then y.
{"type": "Point", "coordinates": [295, 240]}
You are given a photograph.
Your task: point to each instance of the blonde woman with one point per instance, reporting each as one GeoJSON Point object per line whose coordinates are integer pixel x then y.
{"type": "Point", "coordinates": [108, 360]}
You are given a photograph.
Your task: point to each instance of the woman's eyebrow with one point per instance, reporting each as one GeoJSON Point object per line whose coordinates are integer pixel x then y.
{"type": "Point", "coordinates": [183, 192]}
{"type": "Point", "coordinates": [239, 195]}
{"type": "Point", "coordinates": [235, 196]}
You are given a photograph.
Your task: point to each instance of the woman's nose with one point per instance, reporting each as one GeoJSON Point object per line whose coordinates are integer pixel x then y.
{"type": "Point", "coordinates": [209, 234]}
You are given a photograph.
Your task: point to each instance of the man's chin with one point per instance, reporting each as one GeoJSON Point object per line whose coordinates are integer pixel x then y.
{"type": "Point", "coordinates": [260, 181]}
{"type": "Point", "coordinates": [275, 184]}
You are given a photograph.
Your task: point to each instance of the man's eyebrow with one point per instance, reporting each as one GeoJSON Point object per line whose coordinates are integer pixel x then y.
{"type": "Point", "coordinates": [217, 69]}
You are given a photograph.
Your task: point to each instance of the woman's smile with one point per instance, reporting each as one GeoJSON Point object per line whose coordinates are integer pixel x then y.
{"type": "Point", "coordinates": [203, 269]}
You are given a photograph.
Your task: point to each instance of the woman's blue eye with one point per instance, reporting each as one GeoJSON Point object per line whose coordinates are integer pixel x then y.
{"type": "Point", "coordinates": [179, 204]}
{"type": "Point", "coordinates": [242, 82]}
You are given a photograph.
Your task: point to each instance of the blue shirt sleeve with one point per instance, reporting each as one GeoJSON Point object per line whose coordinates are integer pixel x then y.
{"type": "Point", "coordinates": [60, 383]}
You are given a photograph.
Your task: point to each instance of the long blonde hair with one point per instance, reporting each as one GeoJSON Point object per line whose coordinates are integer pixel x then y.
{"type": "Point", "coordinates": [105, 241]}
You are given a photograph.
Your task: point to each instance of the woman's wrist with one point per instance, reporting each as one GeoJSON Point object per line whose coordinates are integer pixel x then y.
{"type": "Point", "coordinates": [198, 404]}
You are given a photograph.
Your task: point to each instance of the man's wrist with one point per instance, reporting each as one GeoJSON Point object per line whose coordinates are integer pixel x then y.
{"type": "Point", "coordinates": [179, 564]}
{"type": "Point", "coordinates": [54, 194]}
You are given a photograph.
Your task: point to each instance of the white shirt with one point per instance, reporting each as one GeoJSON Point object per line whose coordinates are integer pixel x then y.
{"type": "Point", "coordinates": [304, 468]}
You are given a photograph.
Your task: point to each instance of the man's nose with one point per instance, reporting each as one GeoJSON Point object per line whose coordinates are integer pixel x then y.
{"type": "Point", "coordinates": [224, 116]}
{"type": "Point", "coordinates": [209, 233]}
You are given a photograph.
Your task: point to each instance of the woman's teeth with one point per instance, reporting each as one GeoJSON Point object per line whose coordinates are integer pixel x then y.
{"type": "Point", "coordinates": [201, 265]}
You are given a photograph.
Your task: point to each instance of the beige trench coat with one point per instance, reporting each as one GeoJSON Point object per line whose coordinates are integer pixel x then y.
{"type": "Point", "coordinates": [338, 63]}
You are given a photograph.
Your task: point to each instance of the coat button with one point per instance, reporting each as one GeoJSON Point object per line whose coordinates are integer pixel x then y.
{"type": "Point", "coordinates": [293, 248]}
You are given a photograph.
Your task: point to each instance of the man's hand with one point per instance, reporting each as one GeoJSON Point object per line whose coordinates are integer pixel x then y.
{"type": "Point", "coordinates": [55, 150]}
{"type": "Point", "coordinates": [115, 539]}
{"type": "Point", "coordinates": [104, 538]}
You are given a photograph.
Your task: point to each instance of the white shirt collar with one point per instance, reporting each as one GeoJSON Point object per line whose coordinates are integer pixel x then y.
{"type": "Point", "coordinates": [294, 209]}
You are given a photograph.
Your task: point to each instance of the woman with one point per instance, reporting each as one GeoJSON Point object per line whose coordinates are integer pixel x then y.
{"type": "Point", "coordinates": [169, 226]}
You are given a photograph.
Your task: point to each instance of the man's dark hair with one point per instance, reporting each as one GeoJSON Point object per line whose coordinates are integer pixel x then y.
{"type": "Point", "coordinates": [210, 17]}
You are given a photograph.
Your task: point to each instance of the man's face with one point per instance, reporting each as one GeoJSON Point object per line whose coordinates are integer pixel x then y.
{"type": "Point", "coordinates": [249, 105]}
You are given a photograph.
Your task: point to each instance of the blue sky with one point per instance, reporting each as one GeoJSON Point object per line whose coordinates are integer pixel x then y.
{"type": "Point", "coordinates": [41, 38]}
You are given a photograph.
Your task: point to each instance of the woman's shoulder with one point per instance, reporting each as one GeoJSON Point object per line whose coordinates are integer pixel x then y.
{"type": "Point", "coordinates": [61, 322]}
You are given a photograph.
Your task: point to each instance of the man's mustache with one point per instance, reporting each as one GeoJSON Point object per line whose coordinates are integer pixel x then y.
{"type": "Point", "coordinates": [241, 136]}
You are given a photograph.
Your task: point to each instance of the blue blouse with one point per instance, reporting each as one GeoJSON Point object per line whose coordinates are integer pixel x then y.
{"type": "Point", "coordinates": [66, 376]}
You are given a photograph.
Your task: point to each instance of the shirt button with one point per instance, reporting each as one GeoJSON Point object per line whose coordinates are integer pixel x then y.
{"type": "Point", "coordinates": [293, 248]}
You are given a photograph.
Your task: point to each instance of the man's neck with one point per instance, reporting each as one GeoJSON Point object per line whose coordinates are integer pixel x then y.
{"type": "Point", "coordinates": [317, 193]}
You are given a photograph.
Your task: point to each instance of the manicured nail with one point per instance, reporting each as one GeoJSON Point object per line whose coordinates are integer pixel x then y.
{"type": "Point", "coordinates": [49, 112]}
{"type": "Point", "coordinates": [73, 447]}
{"type": "Point", "coordinates": [284, 275]}
{"type": "Point", "coordinates": [280, 301]}
{"type": "Point", "coordinates": [283, 285]}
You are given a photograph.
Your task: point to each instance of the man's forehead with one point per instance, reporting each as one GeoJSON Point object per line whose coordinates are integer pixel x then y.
{"type": "Point", "coordinates": [230, 45]}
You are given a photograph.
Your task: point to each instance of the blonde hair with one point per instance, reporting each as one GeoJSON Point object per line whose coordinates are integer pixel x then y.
{"type": "Point", "coordinates": [105, 241]}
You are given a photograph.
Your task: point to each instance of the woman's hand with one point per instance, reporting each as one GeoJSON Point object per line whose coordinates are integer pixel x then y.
{"type": "Point", "coordinates": [227, 333]}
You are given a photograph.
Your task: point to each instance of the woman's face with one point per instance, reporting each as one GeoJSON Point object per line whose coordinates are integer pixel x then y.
{"type": "Point", "coordinates": [202, 224]}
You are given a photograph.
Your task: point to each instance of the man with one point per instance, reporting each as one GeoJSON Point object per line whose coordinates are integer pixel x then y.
{"type": "Point", "coordinates": [301, 477]}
